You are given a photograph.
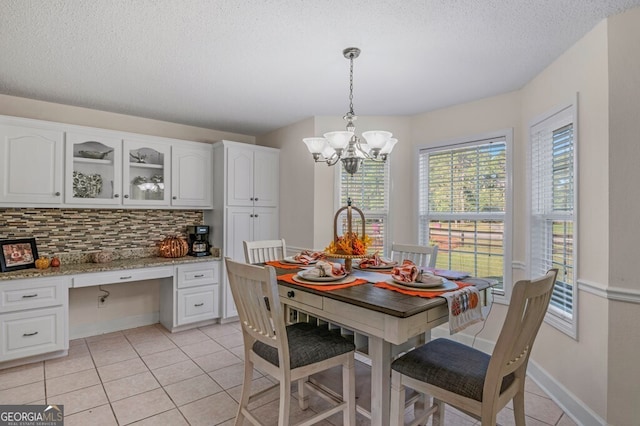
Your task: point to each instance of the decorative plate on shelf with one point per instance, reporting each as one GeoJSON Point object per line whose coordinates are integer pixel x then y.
{"type": "Point", "coordinates": [86, 186]}
{"type": "Point", "coordinates": [96, 155]}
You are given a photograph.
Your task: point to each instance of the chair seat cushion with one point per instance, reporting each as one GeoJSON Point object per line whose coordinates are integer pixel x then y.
{"type": "Point", "coordinates": [449, 365]}
{"type": "Point", "coordinates": [308, 344]}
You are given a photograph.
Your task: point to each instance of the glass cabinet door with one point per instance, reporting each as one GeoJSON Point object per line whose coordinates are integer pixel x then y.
{"type": "Point", "coordinates": [93, 169]}
{"type": "Point", "coordinates": [146, 172]}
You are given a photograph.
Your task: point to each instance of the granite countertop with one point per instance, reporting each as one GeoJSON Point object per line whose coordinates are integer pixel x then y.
{"type": "Point", "coordinates": [120, 264]}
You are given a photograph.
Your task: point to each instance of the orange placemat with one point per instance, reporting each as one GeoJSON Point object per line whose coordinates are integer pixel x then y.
{"type": "Point", "coordinates": [289, 278]}
{"type": "Point", "coordinates": [427, 294]}
{"type": "Point", "coordinates": [282, 265]}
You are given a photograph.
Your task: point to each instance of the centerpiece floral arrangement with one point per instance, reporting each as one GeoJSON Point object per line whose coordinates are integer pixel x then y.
{"type": "Point", "coordinates": [349, 243]}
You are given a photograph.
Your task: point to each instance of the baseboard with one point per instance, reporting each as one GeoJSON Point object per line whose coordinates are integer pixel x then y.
{"type": "Point", "coordinates": [94, 329]}
{"type": "Point", "coordinates": [568, 402]}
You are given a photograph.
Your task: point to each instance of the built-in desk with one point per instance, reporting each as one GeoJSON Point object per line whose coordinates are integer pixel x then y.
{"type": "Point", "coordinates": [34, 303]}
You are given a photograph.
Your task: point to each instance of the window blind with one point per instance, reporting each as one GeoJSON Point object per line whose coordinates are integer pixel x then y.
{"type": "Point", "coordinates": [553, 200]}
{"type": "Point", "coordinates": [462, 202]}
{"type": "Point", "coordinates": [368, 190]}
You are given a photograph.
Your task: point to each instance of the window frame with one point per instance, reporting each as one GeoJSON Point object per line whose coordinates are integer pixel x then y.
{"type": "Point", "coordinates": [556, 118]}
{"type": "Point", "coordinates": [368, 214]}
{"type": "Point", "coordinates": [503, 295]}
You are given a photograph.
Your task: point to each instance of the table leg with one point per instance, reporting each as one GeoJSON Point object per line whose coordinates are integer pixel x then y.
{"type": "Point", "coordinates": [380, 354]}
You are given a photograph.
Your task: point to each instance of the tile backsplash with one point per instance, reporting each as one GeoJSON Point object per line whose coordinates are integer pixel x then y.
{"type": "Point", "coordinates": [63, 232]}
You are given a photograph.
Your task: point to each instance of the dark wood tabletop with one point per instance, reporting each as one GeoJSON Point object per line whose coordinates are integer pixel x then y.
{"type": "Point", "coordinates": [380, 299]}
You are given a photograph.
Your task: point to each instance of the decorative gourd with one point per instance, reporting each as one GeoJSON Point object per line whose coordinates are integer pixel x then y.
{"type": "Point", "coordinates": [173, 247]}
{"type": "Point", "coordinates": [42, 262]}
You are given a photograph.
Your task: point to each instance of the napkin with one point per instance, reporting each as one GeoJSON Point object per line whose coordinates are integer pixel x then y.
{"type": "Point", "coordinates": [324, 269]}
{"type": "Point", "coordinates": [407, 272]}
{"type": "Point", "coordinates": [374, 260]}
{"type": "Point", "coordinates": [308, 256]}
{"type": "Point", "coordinates": [464, 308]}
{"type": "Point", "coordinates": [429, 278]}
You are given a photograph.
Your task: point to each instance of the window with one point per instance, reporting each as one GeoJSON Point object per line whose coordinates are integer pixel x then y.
{"type": "Point", "coordinates": [552, 216]}
{"type": "Point", "coordinates": [464, 202]}
{"type": "Point", "coordinates": [368, 190]}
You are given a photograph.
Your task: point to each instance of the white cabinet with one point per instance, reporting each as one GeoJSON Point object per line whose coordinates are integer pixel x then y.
{"type": "Point", "coordinates": [193, 299]}
{"type": "Point", "coordinates": [192, 176]}
{"type": "Point", "coordinates": [93, 169]}
{"type": "Point", "coordinates": [245, 202]}
{"type": "Point", "coordinates": [252, 176]}
{"type": "Point", "coordinates": [31, 165]}
{"type": "Point", "coordinates": [33, 317]}
{"type": "Point", "coordinates": [146, 169]}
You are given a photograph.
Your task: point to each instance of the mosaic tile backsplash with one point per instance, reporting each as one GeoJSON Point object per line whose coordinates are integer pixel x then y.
{"type": "Point", "coordinates": [76, 233]}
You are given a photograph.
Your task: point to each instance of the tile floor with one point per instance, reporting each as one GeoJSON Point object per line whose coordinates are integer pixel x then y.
{"type": "Point", "coordinates": [148, 376]}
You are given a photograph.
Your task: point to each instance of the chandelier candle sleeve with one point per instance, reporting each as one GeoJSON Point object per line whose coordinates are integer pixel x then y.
{"type": "Point", "coordinates": [346, 146]}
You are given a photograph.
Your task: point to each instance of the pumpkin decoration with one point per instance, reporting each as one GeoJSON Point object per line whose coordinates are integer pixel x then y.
{"type": "Point", "coordinates": [42, 262]}
{"type": "Point", "coordinates": [173, 247]}
{"type": "Point", "coordinates": [55, 262]}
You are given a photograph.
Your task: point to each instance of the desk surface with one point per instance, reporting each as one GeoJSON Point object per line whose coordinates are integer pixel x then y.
{"type": "Point", "coordinates": [379, 299]}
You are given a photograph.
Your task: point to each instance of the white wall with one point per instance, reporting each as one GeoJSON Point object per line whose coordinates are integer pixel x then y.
{"type": "Point", "coordinates": [624, 203]}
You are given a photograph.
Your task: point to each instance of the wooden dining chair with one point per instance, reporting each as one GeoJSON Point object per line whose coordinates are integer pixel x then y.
{"type": "Point", "coordinates": [288, 353]}
{"type": "Point", "coordinates": [264, 250]}
{"type": "Point", "coordinates": [468, 379]}
{"type": "Point", "coordinates": [420, 255]}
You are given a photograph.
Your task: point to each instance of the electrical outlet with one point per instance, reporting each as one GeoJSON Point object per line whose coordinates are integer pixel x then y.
{"type": "Point", "coordinates": [102, 302]}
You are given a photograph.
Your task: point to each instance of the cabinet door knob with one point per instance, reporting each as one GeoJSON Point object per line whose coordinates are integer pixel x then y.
{"type": "Point", "coordinates": [58, 194]}
{"type": "Point", "coordinates": [116, 195]}
{"type": "Point", "coordinates": [126, 196]}
{"type": "Point", "coordinates": [251, 199]}
{"type": "Point", "coordinates": [291, 294]}
{"type": "Point", "coordinates": [174, 197]}
{"type": "Point", "coordinates": [255, 199]}
{"type": "Point", "coordinates": [255, 215]}
{"type": "Point", "coordinates": [250, 215]}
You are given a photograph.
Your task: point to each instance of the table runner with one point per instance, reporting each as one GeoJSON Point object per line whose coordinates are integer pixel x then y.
{"type": "Point", "coordinates": [324, 287]}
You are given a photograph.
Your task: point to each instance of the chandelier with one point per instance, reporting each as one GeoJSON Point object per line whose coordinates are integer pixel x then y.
{"type": "Point", "coordinates": [346, 146]}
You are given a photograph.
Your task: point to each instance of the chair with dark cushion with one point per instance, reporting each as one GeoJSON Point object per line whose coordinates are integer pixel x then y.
{"type": "Point", "coordinates": [468, 379]}
{"type": "Point", "coordinates": [288, 353]}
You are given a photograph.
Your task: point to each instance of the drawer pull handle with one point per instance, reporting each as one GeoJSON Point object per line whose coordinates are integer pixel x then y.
{"type": "Point", "coordinates": [197, 305]}
{"type": "Point", "coordinates": [26, 296]}
{"type": "Point", "coordinates": [198, 276]}
{"type": "Point", "coordinates": [291, 294]}
{"type": "Point", "coordinates": [126, 278]}
{"type": "Point", "coordinates": [30, 334]}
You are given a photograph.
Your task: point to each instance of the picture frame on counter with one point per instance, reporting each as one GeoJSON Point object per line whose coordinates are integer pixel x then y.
{"type": "Point", "coordinates": [18, 254]}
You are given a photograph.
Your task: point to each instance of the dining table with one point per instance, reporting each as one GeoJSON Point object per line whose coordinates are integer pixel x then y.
{"type": "Point", "coordinates": [386, 319]}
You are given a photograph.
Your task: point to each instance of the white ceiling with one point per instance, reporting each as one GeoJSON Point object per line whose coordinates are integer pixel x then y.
{"type": "Point", "coordinates": [251, 66]}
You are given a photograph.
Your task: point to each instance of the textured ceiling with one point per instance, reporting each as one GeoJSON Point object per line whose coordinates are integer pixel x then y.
{"type": "Point", "coordinates": [251, 66]}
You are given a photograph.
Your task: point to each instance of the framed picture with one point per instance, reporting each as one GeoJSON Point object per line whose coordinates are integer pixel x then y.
{"type": "Point", "coordinates": [18, 254]}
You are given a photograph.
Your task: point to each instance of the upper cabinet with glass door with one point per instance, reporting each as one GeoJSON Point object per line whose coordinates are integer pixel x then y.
{"type": "Point", "coordinates": [94, 169]}
{"type": "Point", "coordinates": [146, 173]}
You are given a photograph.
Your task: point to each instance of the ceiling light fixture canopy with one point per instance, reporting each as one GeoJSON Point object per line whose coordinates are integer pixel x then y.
{"type": "Point", "coordinates": [346, 146]}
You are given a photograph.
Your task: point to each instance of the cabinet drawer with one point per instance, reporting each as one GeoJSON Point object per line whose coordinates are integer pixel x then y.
{"type": "Point", "coordinates": [298, 298]}
{"type": "Point", "coordinates": [29, 294]}
{"type": "Point", "coordinates": [29, 333]}
{"type": "Point", "coordinates": [197, 304]}
{"type": "Point", "coordinates": [198, 274]}
{"type": "Point", "coordinates": [123, 276]}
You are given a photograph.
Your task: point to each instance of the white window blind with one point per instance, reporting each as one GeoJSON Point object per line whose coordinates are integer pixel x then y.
{"type": "Point", "coordinates": [462, 202]}
{"type": "Point", "coordinates": [368, 190]}
{"type": "Point", "coordinates": [553, 201]}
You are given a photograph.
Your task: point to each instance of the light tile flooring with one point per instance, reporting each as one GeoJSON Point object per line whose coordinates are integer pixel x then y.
{"type": "Point", "coordinates": [148, 376]}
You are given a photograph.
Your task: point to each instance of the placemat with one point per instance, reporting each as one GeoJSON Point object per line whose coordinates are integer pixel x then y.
{"type": "Point", "coordinates": [426, 294]}
{"type": "Point", "coordinates": [324, 287]}
{"type": "Point", "coordinates": [284, 265]}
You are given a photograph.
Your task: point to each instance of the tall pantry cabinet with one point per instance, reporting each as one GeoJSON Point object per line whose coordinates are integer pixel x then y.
{"type": "Point", "coordinates": [245, 203]}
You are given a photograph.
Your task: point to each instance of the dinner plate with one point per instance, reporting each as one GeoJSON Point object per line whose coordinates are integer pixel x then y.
{"type": "Point", "coordinates": [291, 259]}
{"type": "Point", "coordinates": [344, 280]}
{"type": "Point", "coordinates": [379, 267]}
{"type": "Point", "coordinates": [446, 286]}
{"type": "Point", "coordinates": [419, 284]}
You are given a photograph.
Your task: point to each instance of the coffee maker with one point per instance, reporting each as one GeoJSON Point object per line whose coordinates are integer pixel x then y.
{"type": "Point", "coordinates": [198, 240]}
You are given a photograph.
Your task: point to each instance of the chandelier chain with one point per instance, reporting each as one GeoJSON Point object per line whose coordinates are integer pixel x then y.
{"type": "Point", "coordinates": [351, 85]}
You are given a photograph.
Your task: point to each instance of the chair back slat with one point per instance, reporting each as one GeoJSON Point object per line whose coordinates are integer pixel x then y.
{"type": "Point", "coordinates": [264, 250]}
{"type": "Point", "coordinates": [424, 256]}
{"type": "Point", "coordinates": [255, 293]}
{"type": "Point", "coordinates": [527, 308]}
